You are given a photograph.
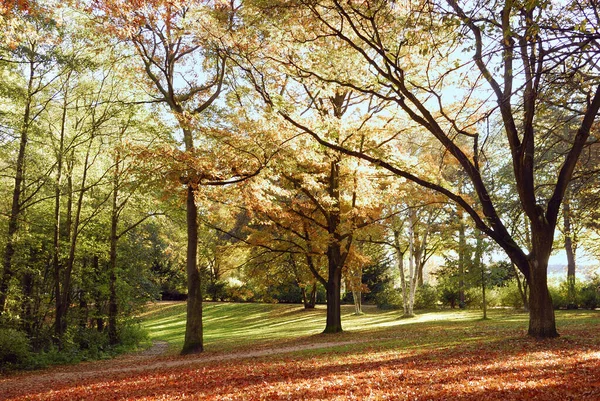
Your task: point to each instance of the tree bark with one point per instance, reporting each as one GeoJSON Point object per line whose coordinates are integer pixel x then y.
{"type": "Point", "coordinates": [16, 207]}
{"type": "Point", "coordinates": [334, 318]}
{"type": "Point", "coordinates": [400, 261]}
{"type": "Point", "coordinates": [462, 247]}
{"type": "Point", "coordinates": [570, 250]}
{"type": "Point", "coordinates": [113, 308]}
{"type": "Point", "coordinates": [357, 298]}
{"type": "Point", "coordinates": [193, 341]}
{"type": "Point", "coordinates": [541, 312]}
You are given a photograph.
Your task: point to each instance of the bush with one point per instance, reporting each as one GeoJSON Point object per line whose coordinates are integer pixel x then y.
{"type": "Point", "coordinates": [559, 296]}
{"type": "Point", "coordinates": [449, 296]}
{"type": "Point", "coordinates": [15, 350]}
{"type": "Point", "coordinates": [510, 295]}
{"type": "Point", "coordinates": [388, 298]}
{"type": "Point", "coordinates": [426, 297]}
{"type": "Point", "coordinates": [91, 342]}
{"type": "Point", "coordinates": [589, 295]}
{"type": "Point", "coordinates": [131, 335]}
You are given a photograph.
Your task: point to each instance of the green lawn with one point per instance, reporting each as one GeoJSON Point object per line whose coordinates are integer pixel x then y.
{"type": "Point", "coordinates": [439, 355]}
{"type": "Point", "coordinates": [231, 326]}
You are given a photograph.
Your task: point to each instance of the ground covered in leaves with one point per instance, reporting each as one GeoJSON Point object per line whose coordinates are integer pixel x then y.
{"type": "Point", "coordinates": [458, 359]}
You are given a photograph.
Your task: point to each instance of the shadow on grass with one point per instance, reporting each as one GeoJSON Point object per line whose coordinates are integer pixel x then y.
{"type": "Point", "coordinates": [431, 362]}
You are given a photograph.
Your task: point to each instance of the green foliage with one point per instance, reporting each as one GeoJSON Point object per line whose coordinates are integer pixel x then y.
{"type": "Point", "coordinates": [131, 335]}
{"type": "Point", "coordinates": [509, 295]}
{"type": "Point", "coordinates": [388, 298]}
{"type": "Point", "coordinates": [587, 294]}
{"type": "Point", "coordinates": [90, 342]}
{"type": "Point", "coordinates": [426, 297]}
{"type": "Point", "coordinates": [15, 350]}
{"type": "Point", "coordinates": [449, 294]}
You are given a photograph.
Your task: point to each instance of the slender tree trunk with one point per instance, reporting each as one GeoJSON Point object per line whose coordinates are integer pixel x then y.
{"type": "Point", "coordinates": [481, 267]}
{"type": "Point", "coordinates": [27, 310]}
{"type": "Point", "coordinates": [63, 291]}
{"type": "Point", "coordinates": [98, 296]}
{"type": "Point", "coordinates": [356, 297]}
{"type": "Point", "coordinates": [412, 278]}
{"type": "Point", "coordinates": [113, 308]}
{"type": "Point", "coordinates": [400, 262]}
{"type": "Point", "coordinates": [462, 247]}
{"type": "Point", "coordinates": [313, 297]}
{"type": "Point", "coordinates": [570, 250]}
{"type": "Point", "coordinates": [522, 286]}
{"type": "Point", "coordinates": [334, 255]}
{"type": "Point", "coordinates": [16, 207]}
{"type": "Point", "coordinates": [56, 263]}
{"type": "Point", "coordinates": [193, 341]}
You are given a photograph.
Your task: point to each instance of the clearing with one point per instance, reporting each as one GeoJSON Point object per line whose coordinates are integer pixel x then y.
{"type": "Point", "coordinates": [271, 352]}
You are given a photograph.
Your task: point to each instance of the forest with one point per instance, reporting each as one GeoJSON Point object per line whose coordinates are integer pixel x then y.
{"type": "Point", "coordinates": [413, 155]}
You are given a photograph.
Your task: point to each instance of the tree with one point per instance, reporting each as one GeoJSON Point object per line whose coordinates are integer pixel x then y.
{"type": "Point", "coordinates": [520, 52]}
{"type": "Point", "coordinates": [320, 200]}
{"type": "Point", "coordinates": [29, 46]}
{"type": "Point", "coordinates": [180, 48]}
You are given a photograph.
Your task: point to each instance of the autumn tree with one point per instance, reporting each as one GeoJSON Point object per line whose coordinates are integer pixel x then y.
{"type": "Point", "coordinates": [518, 54]}
{"type": "Point", "coordinates": [321, 200]}
{"type": "Point", "coordinates": [184, 60]}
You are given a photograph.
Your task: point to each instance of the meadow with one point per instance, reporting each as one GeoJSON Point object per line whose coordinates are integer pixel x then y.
{"type": "Point", "coordinates": [276, 351]}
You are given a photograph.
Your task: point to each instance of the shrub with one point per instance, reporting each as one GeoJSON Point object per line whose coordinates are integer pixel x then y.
{"type": "Point", "coordinates": [91, 342]}
{"type": "Point", "coordinates": [388, 298]}
{"type": "Point", "coordinates": [589, 296]}
{"type": "Point", "coordinates": [449, 296]}
{"type": "Point", "coordinates": [426, 297]}
{"type": "Point", "coordinates": [510, 295]}
{"type": "Point", "coordinates": [131, 335]}
{"type": "Point", "coordinates": [15, 350]}
{"type": "Point", "coordinates": [559, 296]}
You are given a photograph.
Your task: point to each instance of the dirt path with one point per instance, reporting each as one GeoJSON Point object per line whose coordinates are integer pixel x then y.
{"type": "Point", "coordinates": [148, 360]}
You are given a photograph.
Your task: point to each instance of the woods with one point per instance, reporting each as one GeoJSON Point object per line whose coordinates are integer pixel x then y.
{"type": "Point", "coordinates": [414, 154]}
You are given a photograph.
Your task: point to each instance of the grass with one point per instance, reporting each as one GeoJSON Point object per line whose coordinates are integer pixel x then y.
{"type": "Point", "coordinates": [230, 326]}
{"type": "Point", "coordinates": [438, 355]}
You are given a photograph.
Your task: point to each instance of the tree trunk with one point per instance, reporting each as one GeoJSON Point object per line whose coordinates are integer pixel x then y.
{"type": "Point", "coordinates": [541, 312]}
{"type": "Point", "coordinates": [97, 294]}
{"type": "Point", "coordinates": [479, 264]}
{"type": "Point", "coordinates": [193, 341]}
{"type": "Point", "coordinates": [16, 207]}
{"type": "Point", "coordinates": [313, 297]}
{"type": "Point", "coordinates": [570, 250]}
{"type": "Point", "coordinates": [400, 261]}
{"type": "Point", "coordinates": [462, 247]}
{"type": "Point", "coordinates": [412, 274]}
{"type": "Point", "coordinates": [334, 318]}
{"type": "Point", "coordinates": [113, 308]}
{"type": "Point", "coordinates": [309, 301]}
{"type": "Point", "coordinates": [56, 263]}
{"type": "Point", "coordinates": [63, 290]}
{"type": "Point", "coordinates": [357, 298]}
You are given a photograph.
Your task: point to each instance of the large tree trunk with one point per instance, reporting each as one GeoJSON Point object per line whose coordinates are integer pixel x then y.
{"type": "Point", "coordinates": [193, 342]}
{"type": "Point", "coordinates": [334, 318]}
{"type": "Point", "coordinates": [541, 312]}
